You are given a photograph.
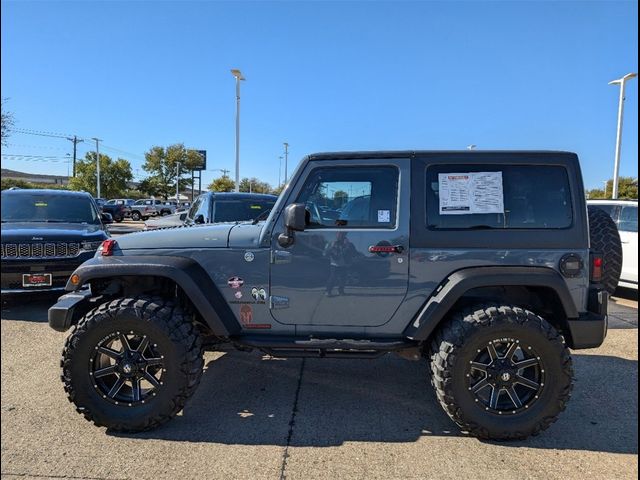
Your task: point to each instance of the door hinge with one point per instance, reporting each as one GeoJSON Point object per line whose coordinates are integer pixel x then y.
{"type": "Point", "coordinates": [276, 302]}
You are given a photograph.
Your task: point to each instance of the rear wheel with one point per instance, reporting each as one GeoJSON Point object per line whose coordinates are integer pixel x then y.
{"type": "Point", "coordinates": [135, 216]}
{"type": "Point", "coordinates": [132, 363]}
{"type": "Point", "coordinates": [501, 372]}
{"type": "Point", "coordinates": [605, 239]}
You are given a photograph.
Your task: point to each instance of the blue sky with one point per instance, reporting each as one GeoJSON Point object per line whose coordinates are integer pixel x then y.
{"type": "Point", "coordinates": [322, 76]}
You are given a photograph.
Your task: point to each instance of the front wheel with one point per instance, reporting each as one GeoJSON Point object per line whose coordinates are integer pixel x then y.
{"type": "Point", "coordinates": [135, 216]}
{"type": "Point", "coordinates": [501, 372]}
{"type": "Point", "coordinates": [132, 363]}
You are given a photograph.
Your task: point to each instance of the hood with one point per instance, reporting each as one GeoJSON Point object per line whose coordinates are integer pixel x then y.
{"type": "Point", "coordinates": [51, 232]}
{"type": "Point", "coordinates": [196, 236]}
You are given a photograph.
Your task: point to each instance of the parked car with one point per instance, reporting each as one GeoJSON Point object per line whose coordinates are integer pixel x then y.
{"type": "Point", "coordinates": [182, 206]}
{"type": "Point", "coordinates": [625, 214]}
{"type": "Point", "coordinates": [167, 208]}
{"type": "Point", "coordinates": [479, 262]}
{"type": "Point", "coordinates": [100, 202]}
{"type": "Point", "coordinates": [46, 235]}
{"type": "Point", "coordinates": [212, 207]}
{"type": "Point", "coordinates": [125, 202]}
{"type": "Point", "coordinates": [143, 209]}
{"type": "Point", "coordinates": [117, 210]}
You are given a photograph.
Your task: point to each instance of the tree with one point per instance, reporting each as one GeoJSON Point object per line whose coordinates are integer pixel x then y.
{"type": "Point", "coordinates": [254, 185]}
{"type": "Point", "coordinates": [14, 182]}
{"type": "Point", "coordinates": [340, 198]}
{"type": "Point", "coordinates": [114, 176]}
{"type": "Point", "coordinates": [627, 189]}
{"type": "Point", "coordinates": [277, 190]}
{"type": "Point", "coordinates": [7, 123]}
{"type": "Point", "coordinates": [222, 184]}
{"type": "Point", "coordinates": [162, 165]}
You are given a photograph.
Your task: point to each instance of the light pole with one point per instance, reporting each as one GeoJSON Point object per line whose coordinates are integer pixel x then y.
{"type": "Point", "coordinates": [236, 73]}
{"type": "Point", "coordinates": [616, 165]}
{"type": "Point", "coordinates": [286, 161]}
{"type": "Point", "coordinates": [97, 166]}
{"type": "Point", "coordinates": [280, 171]}
{"type": "Point", "coordinates": [178, 183]}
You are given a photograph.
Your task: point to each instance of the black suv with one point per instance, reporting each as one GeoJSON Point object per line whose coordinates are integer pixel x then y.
{"type": "Point", "coordinates": [46, 235]}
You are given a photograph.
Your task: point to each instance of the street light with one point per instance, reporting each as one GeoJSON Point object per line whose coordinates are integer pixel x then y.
{"type": "Point", "coordinates": [97, 166]}
{"type": "Point", "coordinates": [236, 73]}
{"type": "Point", "coordinates": [286, 161]}
{"type": "Point", "coordinates": [616, 166]}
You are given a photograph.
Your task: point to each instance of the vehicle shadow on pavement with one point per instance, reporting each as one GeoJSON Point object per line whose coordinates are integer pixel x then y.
{"type": "Point", "coordinates": [249, 399]}
{"type": "Point", "coordinates": [29, 307]}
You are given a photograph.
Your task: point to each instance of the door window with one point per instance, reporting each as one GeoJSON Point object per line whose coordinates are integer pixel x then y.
{"type": "Point", "coordinates": [628, 221]}
{"type": "Point", "coordinates": [351, 197]}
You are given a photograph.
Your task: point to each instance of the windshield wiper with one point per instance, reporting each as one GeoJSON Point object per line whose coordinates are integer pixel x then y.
{"type": "Point", "coordinates": [261, 217]}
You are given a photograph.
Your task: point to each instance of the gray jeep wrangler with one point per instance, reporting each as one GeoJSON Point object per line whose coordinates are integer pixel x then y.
{"type": "Point", "coordinates": [478, 261]}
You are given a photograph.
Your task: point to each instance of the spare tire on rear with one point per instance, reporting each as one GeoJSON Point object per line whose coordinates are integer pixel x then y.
{"type": "Point", "coordinates": [605, 240]}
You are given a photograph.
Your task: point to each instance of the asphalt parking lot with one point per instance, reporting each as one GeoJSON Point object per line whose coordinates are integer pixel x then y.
{"type": "Point", "coordinates": [257, 417]}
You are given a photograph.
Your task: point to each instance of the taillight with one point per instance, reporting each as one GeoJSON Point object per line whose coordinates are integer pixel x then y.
{"type": "Point", "coordinates": [107, 247]}
{"type": "Point", "coordinates": [597, 265]}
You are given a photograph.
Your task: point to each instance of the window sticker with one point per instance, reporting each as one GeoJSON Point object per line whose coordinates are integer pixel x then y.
{"type": "Point", "coordinates": [384, 216]}
{"type": "Point", "coordinates": [470, 193]}
{"type": "Point", "coordinates": [40, 204]}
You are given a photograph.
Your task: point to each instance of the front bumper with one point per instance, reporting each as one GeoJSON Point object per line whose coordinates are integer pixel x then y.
{"type": "Point", "coordinates": [590, 329]}
{"type": "Point", "coordinates": [61, 315]}
{"type": "Point", "coordinates": [59, 268]}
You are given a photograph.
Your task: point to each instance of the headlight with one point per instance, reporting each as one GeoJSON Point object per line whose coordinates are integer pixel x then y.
{"type": "Point", "coordinates": [90, 246]}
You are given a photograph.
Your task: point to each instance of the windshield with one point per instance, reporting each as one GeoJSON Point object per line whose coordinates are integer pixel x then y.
{"type": "Point", "coordinates": [240, 210]}
{"type": "Point", "coordinates": [48, 208]}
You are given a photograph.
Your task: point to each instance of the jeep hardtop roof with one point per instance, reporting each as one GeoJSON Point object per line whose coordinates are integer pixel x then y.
{"type": "Point", "coordinates": [519, 156]}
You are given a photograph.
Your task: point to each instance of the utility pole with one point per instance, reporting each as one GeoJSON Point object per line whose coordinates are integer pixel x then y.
{"type": "Point", "coordinates": [280, 171]}
{"type": "Point", "coordinates": [178, 182]}
{"type": "Point", "coordinates": [616, 165]}
{"type": "Point", "coordinates": [286, 161]}
{"type": "Point", "coordinates": [75, 141]}
{"type": "Point", "coordinates": [97, 166]}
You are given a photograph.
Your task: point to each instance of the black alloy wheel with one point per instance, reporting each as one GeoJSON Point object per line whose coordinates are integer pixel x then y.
{"type": "Point", "coordinates": [127, 368]}
{"type": "Point", "coordinates": [506, 377]}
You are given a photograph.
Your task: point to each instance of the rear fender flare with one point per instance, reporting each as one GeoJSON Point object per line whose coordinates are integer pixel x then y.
{"type": "Point", "coordinates": [460, 282]}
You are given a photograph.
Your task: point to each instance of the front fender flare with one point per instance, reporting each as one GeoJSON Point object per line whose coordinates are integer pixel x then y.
{"type": "Point", "coordinates": [185, 272]}
{"type": "Point", "coordinates": [461, 281]}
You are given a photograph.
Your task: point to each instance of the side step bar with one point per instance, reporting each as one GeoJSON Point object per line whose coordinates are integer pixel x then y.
{"type": "Point", "coordinates": [323, 347]}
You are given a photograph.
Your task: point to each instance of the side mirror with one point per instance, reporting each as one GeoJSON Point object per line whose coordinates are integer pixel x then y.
{"type": "Point", "coordinates": [106, 218]}
{"type": "Point", "coordinates": [183, 216]}
{"type": "Point", "coordinates": [199, 220]}
{"type": "Point", "coordinates": [295, 217]}
{"type": "Point", "coordinates": [295, 220]}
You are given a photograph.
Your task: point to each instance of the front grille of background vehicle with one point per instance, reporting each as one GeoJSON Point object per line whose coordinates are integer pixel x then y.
{"type": "Point", "coordinates": [40, 250]}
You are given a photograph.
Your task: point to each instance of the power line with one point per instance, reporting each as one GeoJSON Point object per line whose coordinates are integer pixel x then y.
{"type": "Point", "coordinates": [38, 132]}
{"type": "Point", "coordinates": [123, 151]}
{"type": "Point", "coordinates": [48, 147]}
